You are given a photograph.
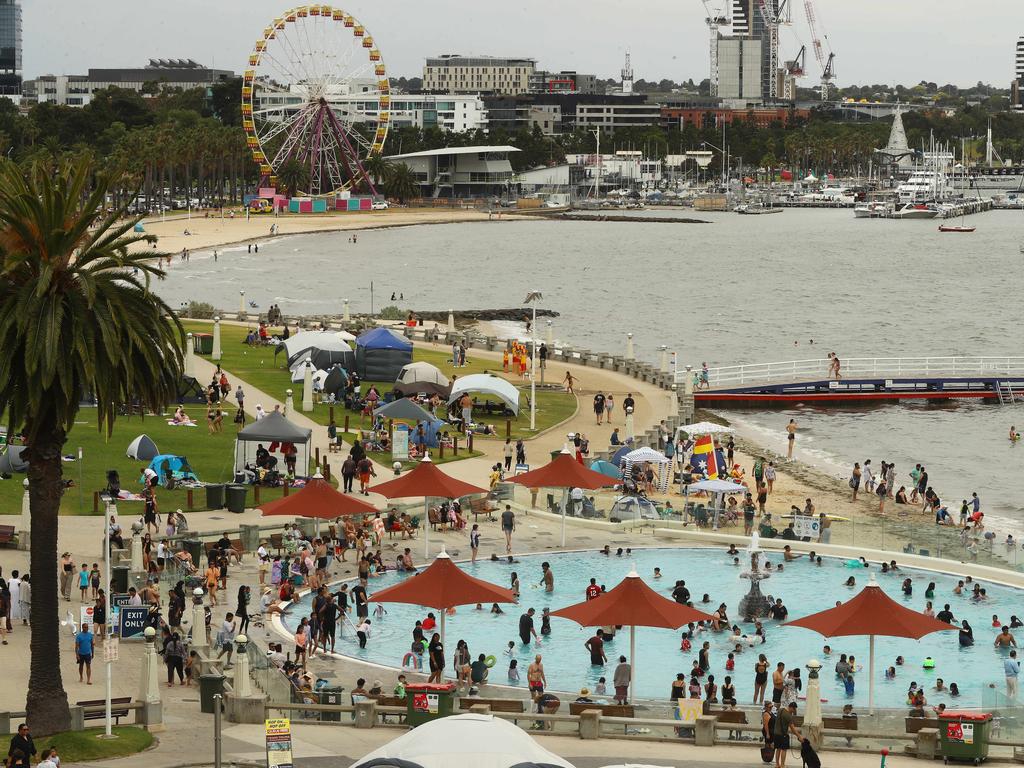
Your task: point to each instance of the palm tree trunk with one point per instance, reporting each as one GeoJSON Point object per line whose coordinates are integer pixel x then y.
{"type": "Point", "coordinates": [46, 702]}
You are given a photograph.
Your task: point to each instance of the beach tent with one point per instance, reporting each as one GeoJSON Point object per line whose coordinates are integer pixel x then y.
{"type": "Point", "coordinates": [481, 741]}
{"type": "Point", "coordinates": [295, 345]}
{"type": "Point", "coordinates": [662, 465]}
{"type": "Point", "coordinates": [11, 461]}
{"type": "Point", "coordinates": [486, 384]}
{"type": "Point", "coordinates": [142, 448]}
{"type": "Point", "coordinates": [322, 359]}
{"type": "Point", "coordinates": [381, 354]}
{"type": "Point", "coordinates": [273, 432]}
{"type": "Point", "coordinates": [176, 467]}
{"type": "Point", "coordinates": [422, 377]}
{"type": "Point", "coordinates": [606, 468]}
{"type": "Point", "coordinates": [190, 390]}
{"type": "Point", "coordinates": [404, 410]}
{"type": "Point", "coordinates": [336, 381]}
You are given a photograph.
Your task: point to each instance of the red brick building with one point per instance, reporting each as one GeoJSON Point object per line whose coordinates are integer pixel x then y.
{"type": "Point", "coordinates": [679, 117]}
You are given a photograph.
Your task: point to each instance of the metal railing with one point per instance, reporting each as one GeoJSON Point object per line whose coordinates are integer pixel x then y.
{"type": "Point", "coordinates": [792, 371]}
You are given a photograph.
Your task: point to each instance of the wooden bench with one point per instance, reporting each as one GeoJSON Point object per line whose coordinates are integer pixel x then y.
{"type": "Point", "coordinates": [434, 516]}
{"type": "Point", "coordinates": [390, 701]}
{"type": "Point", "coordinates": [277, 542]}
{"type": "Point", "coordinates": [496, 705]}
{"type": "Point", "coordinates": [915, 724]}
{"type": "Point", "coordinates": [117, 708]}
{"type": "Point", "coordinates": [7, 534]}
{"type": "Point", "coordinates": [607, 710]}
{"type": "Point", "coordinates": [839, 723]}
{"type": "Point", "coordinates": [479, 507]}
{"type": "Point", "coordinates": [730, 716]}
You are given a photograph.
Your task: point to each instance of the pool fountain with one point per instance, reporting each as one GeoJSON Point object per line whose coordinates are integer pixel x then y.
{"type": "Point", "coordinates": [754, 604]}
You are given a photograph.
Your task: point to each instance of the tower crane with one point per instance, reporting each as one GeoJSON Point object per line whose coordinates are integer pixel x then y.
{"type": "Point", "coordinates": [795, 68]}
{"type": "Point", "coordinates": [772, 14]}
{"type": "Point", "coordinates": [715, 20]}
{"type": "Point", "coordinates": [827, 63]}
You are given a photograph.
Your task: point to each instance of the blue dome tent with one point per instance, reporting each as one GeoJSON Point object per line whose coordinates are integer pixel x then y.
{"type": "Point", "coordinates": [381, 354]}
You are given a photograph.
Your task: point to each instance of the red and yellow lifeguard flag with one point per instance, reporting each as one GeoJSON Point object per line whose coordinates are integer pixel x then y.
{"type": "Point", "coordinates": [704, 459]}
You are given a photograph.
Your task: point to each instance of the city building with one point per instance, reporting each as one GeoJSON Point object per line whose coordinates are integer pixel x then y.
{"type": "Point", "coordinates": [10, 47]}
{"type": "Point", "coordinates": [1017, 87]}
{"type": "Point", "coordinates": [558, 113]}
{"type": "Point", "coordinates": [460, 172]}
{"type": "Point", "coordinates": [715, 116]}
{"type": "Point", "coordinates": [452, 73]}
{"type": "Point", "coordinates": [77, 90]}
{"type": "Point", "coordinates": [542, 81]}
{"type": "Point", "coordinates": [739, 68]}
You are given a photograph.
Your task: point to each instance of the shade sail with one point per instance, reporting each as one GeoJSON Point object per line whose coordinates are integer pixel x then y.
{"type": "Point", "coordinates": [704, 428]}
{"type": "Point", "coordinates": [404, 409]}
{"type": "Point", "coordinates": [632, 603]}
{"type": "Point", "coordinates": [318, 499]}
{"type": "Point", "coordinates": [486, 384]}
{"type": "Point", "coordinates": [564, 472]}
{"type": "Point", "coordinates": [273, 427]}
{"type": "Point", "coordinates": [426, 480]}
{"type": "Point", "coordinates": [443, 585]}
{"type": "Point", "coordinates": [422, 372]}
{"type": "Point", "coordinates": [872, 612]}
{"type": "Point", "coordinates": [716, 486]}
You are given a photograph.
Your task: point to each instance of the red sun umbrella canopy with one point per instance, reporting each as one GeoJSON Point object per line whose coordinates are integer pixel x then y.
{"type": "Point", "coordinates": [564, 472]}
{"type": "Point", "coordinates": [872, 612]}
{"type": "Point", "coordinates": [443, 585]}
{"type": "Point", "coordinates": [426, 480]}
{"type": "Point", "coordinates": [319, 499]}
{"type": "Point", "coordinates": [632, 604]}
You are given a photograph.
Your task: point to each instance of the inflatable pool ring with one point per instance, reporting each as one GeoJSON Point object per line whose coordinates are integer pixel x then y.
{"type": "Point", "coordinates": [426, 645]}
{"type": "Point", "coordinates": [411, 662]}
{"type": "Point", "coordinates": [490, 661]}
{"type": "Point", "coordinates": [929, 663]}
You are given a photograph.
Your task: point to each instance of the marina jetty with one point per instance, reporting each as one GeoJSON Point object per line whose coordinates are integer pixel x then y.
{"type": "Point", "coordinates": [474, 315]}
{"type": "Point", "coordinates": [628, 218]}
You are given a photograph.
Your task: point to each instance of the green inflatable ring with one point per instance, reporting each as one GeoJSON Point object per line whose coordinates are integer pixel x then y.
{"type": "Point", "coordinates": [490, 661]}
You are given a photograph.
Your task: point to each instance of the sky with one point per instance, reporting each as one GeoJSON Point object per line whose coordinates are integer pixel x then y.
{"type": "Point", "coordinates": [875, 41]}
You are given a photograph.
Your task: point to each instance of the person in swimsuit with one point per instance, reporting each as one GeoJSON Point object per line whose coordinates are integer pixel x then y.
{"type": "Point", "coordinates": [778, 683]}
{"type": "Point", "coordinates": [791, 437]}
{"type": "Point", "coordinates": [760, 678]}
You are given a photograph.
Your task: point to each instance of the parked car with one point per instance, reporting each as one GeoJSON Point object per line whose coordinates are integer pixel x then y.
{"type": "Point", "coordinates": [379, 205]}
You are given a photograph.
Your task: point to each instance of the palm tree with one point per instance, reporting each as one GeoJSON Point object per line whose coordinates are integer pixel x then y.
{"type": "Point", "coordinates": [402, 182]}
{"type": "Point", "coordinates": [293, 176]}
{"type": "Point", "coordinates": [378, 168]}
{"type": "Point", "coordinates": [76, 316]}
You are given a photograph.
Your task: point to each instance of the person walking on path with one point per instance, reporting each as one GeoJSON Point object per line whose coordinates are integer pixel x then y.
{"type": "Point", "coordinates": [507, 450]}
{"type": "Point", "coordinates": [21, 749]}
{"type": "Point", "coordinates": [508, 524]}
{"type": "Point", "coordinates": [348, 474]}
{"type": "Point", "coordinates": [83, 653]}
{"type": "Point", "coordinates": [599, 407]}
{"type": "Point", "coordinates": [784, 726]}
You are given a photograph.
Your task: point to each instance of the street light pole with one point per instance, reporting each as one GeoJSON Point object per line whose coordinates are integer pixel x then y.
{"type": "Point", "coordinates": [532, 298]}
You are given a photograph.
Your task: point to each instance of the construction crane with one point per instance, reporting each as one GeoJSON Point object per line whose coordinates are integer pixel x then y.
{"type": "Point", "coordinates": [771, 13]}
{"type": "Point", "coordinates": [715, 20]}
{"type": "Point", "coordinates": [795, 68]}
{"type": "Point", "coordinates": [827, 63]}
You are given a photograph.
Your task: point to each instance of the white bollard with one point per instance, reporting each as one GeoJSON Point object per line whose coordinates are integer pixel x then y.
{"type": "Point", "coordinates": [289, 403]}
{"type": "Point", "coordinates": [688, 381]}
{"type": "Point", "coordinates": [216, 354]}
{"type": "Point", "coordinates": [307, 388]}
{"type": "Point", "coordinates": [629, 346]}
{"type": "Point", "coordinates": [241, 304]}
{"type": "Point", "coordinates": [136, 548]}
{"type": "Point", "coordinates": [664, 358]}
{"type": "Point", "coordinates": [673, 402]}
{"type": "Point", "coordinates": [198, 621]}
{"type": "Point", "coordinates": [241, 683]}
{"type": "Point", "coordinates": [346, 316]}
{"type": "Point", "coordinates": [451, 321]}
{"type": "Point", "coordinates": [149, 682]}
{"type": "Point", "coordinates": [629, 424]}
{"type": "Point", "coordinates": [551, 336]}
{"type": "Point", "coordinates": [812, 713]}
{"type": "Point", "coordinates": [190, 361]}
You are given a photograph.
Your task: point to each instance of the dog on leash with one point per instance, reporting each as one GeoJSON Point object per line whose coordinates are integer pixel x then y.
{"type": "Point", "coordinates": [808, 755]}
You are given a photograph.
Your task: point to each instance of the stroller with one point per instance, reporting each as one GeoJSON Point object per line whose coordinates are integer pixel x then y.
{"type": "Point", "coordinates": [113, 488]}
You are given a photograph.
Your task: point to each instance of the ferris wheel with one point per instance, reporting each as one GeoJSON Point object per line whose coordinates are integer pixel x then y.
{"type": "Point", "coordinates": [316, 94]}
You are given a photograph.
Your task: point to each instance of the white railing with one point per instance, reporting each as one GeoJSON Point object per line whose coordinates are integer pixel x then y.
{"type": "Point", "coordinates": [792, 371]}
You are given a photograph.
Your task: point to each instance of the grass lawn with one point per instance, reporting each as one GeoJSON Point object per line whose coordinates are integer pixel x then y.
{"type": "Point", "coordinates": [257, 366]}
{"type": "Point", "coordinates": [211, 457]}
{"type": "Point", "coordinates": [82, 746]}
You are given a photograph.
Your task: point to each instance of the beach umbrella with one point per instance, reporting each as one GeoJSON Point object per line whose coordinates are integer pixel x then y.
{"type": "Point", "coordinates": [317, 499]}
{"type": "Point", "coordinates": [428, 481]}
{"type": "Point", "coordinates": [564, 472]}
{"type": "Point", "coordinates": [443, 585]}
{"type": "Point", "coordinates": [632, 604]}
{"type": "Point", "coordinates": [704, 428]}
{"type": "Point", "coordinates": [875, 614]}
{"type": "Point", "coordinates": [607, 468]}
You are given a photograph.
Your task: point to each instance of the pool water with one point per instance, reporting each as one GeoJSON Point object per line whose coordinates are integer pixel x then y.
{"type": "Point", "coordinates": [804, 589]}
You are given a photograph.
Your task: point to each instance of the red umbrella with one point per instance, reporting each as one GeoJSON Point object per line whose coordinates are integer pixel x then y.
{"type": "Point", "coordinates": [318, 499]}
{"type": "Point", "coordinates": [871, 613]}
{"type": "Point", "coordinates": [443, 585]}
{"type": "Point", "coordinates": [564, 472]}
{"type": "Point", "coordinates": [632, 603]}
{"type": "Point", "coordinates": [426, 480]}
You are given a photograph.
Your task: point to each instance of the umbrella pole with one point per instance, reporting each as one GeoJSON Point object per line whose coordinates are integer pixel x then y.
{"type": "Point", "coordinates": [565, 497]}
{"type": "Point", "coordinates": [632, 662]}
{"type": "Point", "coordinates": [443, 612]}
{"type": "Point", "coordinates": [871, 675]}
{"type": "Point", "coordinates": [426, 527]}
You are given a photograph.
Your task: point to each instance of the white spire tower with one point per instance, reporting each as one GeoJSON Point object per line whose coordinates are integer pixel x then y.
{"type": "Point", "coordinates": [627, 76]}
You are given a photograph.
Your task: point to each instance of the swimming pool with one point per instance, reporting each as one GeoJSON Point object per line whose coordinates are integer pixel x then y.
{"type": "Point", "coordinates": [803, 587]}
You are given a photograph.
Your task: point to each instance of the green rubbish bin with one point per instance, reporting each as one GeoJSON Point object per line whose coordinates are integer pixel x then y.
{"type": "Point", "coordinates": [202, 343]}
{"type": "Point", "coordinates": [428, 701]}
{"type": "Point", "coordinates": [964, 736]}
{"type": "Point", "coordinates": [236, 497]}
{"type": "Point", "coordinates": [119, 575]}
{"type": "Point", "coordinates": [330, 694]}
{"type": "Point", "coordinates": [195, 548]}
{"type": "Point", "coordinates": [215, 496]}
{"type": "Point", "coordinates": [209, 685]}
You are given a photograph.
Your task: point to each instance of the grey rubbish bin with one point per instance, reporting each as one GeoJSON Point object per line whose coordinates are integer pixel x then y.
{"type": "Point", "coordinates": [195, 548]}
{"type": "Point", "coordinates": [209, 685]}
{"type": "Point", "coordinates": [236, 498]}
{"type": "Point", "coordinates": [215, 496]}
{"type": "Point", "coordinates": [119, 575]}
{"type": "Point", "coordinates": [330, 695]}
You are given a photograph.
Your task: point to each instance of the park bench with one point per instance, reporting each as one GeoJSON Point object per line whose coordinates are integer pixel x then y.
{"type": "Point", "coordinates": [730, 716]}
{"type": "Point", "coordinates": [7, 534]}
{"type": "Point", "coordinates": [117, 708]}
{"type": "Point", "coordinates": [915, 724]}
{"type": "Point", "coordinates": [496, 705]}
{"type": "Point", "coordinates": [277, 542]}
{"type": "Point", "coordinates": [390, 701]}
{"type": "Point", "coordinates": [607, 710]}
{"type": "Point", "coordinates": [479, 507]}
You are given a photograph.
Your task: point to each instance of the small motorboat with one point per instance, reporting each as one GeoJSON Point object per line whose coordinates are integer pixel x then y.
{"type": "Point", "coordinates": [955, 228]}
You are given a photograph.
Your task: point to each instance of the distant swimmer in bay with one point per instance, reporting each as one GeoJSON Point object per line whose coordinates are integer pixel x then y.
{"type": "Point", "coordinates": [1014, 435]}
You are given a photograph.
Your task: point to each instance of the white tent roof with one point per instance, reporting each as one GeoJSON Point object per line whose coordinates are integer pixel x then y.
{"type": "Point", "coordinates": [421, 371]}
{"type": "Point", "coordinates": [480, 741]}
{"type": "Point", "coordinates": [304, 340]}
{"type": "Point", "coordinates": [704, 428]}
{"type": "Point", "coordinates": [488, 385]}
{"type": "Point", "coordinates": [345, 336]}
{"type": "Point", "coordinates": [716, 486]}
{"type": "Point", "coordinates": [646, 454]}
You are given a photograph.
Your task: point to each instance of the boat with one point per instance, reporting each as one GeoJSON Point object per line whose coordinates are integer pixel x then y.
{"type": "Point", "coordinates": [756, 209]}
{"type": "Point", "coordinates": [955, 228]}
{"type": "Point", "coordinates": [873, 210]}
{"type": "Point", "coordinates": [914, 211]}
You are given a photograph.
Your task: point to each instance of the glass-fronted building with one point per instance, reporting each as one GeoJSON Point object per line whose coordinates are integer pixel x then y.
{"type": "Point", "coordinates": [10, 47]}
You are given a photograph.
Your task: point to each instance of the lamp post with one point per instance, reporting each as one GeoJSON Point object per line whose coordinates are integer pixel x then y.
{"type": "Point", "coordinates": [813, 727]}
{"type": "Point", "coordinates": [216, 352]}
{"type": "Point", "coordinates": [532, 298]}
{"type": "Point", "coordinates": [241, 304]}
{"type": "Point", "coordinates": [198, 620]}
{"type": "Point", "coordinates": [241, 682]}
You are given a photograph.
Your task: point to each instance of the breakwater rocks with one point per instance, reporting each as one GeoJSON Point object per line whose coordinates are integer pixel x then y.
{"type": "Point", "coordinates": [627, 218]}
{"type": "Point", "coordinates": [474, 315]}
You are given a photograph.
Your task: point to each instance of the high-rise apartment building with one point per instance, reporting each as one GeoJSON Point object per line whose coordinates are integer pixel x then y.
{"type": "Point", "coordinates": [1017, 88]}
{"type": "Point", "coordinates": [748, 21]}
{"type": "Point", "coordinates": [452, 73]}
{"type": "Point", "coordinates": [10, 47]}
{"type": "Point", "coordinates": [739, 68]}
